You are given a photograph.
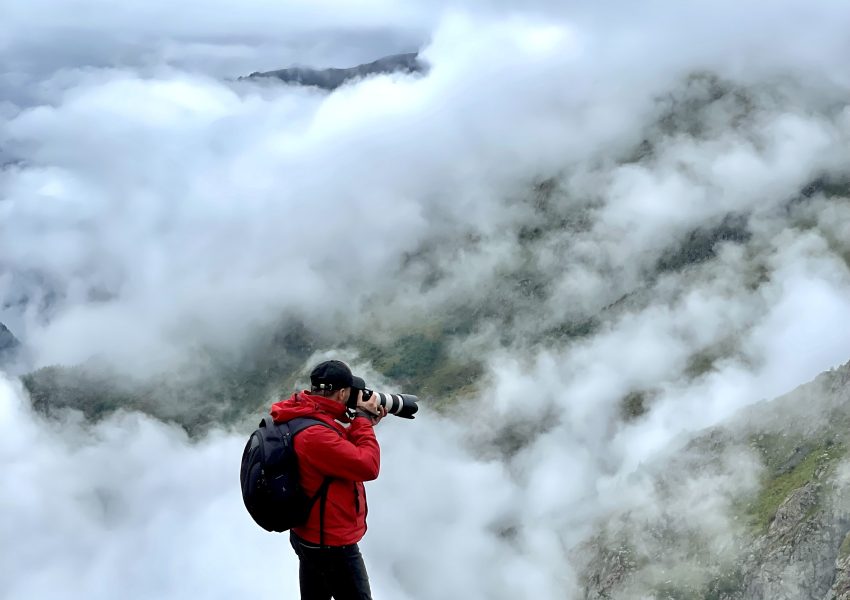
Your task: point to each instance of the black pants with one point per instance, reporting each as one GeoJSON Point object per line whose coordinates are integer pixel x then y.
{"type": "Point", "coordinates": [332, 571]}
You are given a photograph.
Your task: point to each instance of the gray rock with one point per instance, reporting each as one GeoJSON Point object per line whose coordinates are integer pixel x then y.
{"type": "Point", "coordinates": [840, 589]}
{"type": "Point", "coordinates": [609, 573]}
{"type": "Point", "coordinates": [796, 558]}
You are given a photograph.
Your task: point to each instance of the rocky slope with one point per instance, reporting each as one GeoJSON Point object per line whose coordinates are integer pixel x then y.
{"type": "Point", "coordinates": [785, 537]}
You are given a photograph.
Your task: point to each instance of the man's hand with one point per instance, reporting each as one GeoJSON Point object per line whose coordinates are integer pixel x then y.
{"type": "Point", "coordinates": [371, 408]}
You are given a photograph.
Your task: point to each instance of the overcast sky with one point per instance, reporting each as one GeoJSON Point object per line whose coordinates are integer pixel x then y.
{"type": "Point", "coordinates": [150, 205]}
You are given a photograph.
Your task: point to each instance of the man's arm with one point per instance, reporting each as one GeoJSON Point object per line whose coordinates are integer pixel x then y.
{"type": "Point", "coordinates": [357, 458]}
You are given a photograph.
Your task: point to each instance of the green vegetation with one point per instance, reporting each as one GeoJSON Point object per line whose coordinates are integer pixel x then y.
{"type": "Point", "coordinates": [222, 389]}
{"type": "Point", "coordinates": [806, 464]}
{"type": "Point", "coordinates": [96, 396]}
{"type": "Point", "coordinates": [777, 449]}
{"type": "Point", "coordinates": [422, 363]}
{"type": "Point", "coordinates": [214, 389]}
{"type": "Point", "coordinates": [408, 357]}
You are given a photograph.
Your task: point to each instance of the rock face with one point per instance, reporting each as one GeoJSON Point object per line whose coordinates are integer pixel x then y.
{"type": "Point", "coordinates": [789, 535]}
{"type": "Point", "coordinates": [796, 559]}
{"type": "Point", "coordinates": [329, 79]}
{"type": "Point", "coordinates": [840, 589]}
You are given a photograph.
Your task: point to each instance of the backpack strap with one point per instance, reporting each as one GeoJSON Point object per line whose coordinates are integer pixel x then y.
{"type": "Point", "coordinates": [299, 424]}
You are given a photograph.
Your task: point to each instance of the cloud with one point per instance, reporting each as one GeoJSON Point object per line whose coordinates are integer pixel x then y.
{"type": "Point", "coordinates": [123, 515]}
{"type": "Point", "coordinates": [166, 180]}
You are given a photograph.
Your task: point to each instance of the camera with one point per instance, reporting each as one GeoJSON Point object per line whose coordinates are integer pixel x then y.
{"type": "Point", "coordinates": [400, 405]}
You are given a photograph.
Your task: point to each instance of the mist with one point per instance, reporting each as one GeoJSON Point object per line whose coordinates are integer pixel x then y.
{"type": "Point", "coordinates": [551, 171]}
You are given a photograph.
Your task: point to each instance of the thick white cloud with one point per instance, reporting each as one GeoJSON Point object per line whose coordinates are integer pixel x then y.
{"type": "Point", "coordinates": [130, 184]}
{"type": "Point", "coordinates": [127, 507]}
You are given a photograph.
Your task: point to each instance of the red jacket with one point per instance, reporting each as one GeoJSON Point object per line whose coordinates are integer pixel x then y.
{"type": "Point", "coordinates": [350, 455]}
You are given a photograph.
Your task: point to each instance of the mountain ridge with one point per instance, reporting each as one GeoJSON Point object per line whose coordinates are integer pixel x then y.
{"type": "Point", "coordinates": [333, 77]}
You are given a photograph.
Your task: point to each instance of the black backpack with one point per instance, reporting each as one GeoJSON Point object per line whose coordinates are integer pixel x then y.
{"type": "Point", "coordinates": [269, 475]}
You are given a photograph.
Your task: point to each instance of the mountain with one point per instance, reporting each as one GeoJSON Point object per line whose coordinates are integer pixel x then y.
{"type": "Point", "coordinates": [332, 78]}
{"type": "Point", "coordinates": [9, 344]}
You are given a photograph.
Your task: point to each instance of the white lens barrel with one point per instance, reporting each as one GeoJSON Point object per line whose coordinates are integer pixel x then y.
{"type": "Point", "coordinates": [403, 405]}
{"type": "Point", "coordinates": [392, 402]}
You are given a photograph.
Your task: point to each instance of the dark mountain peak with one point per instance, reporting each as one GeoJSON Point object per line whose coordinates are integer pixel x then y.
{"type": "Point", "coordinates": [8, 344]}
{"type": "Point", "coordinates": [7, 339]}
{"type": "Point", "coordinates": [332, 78]}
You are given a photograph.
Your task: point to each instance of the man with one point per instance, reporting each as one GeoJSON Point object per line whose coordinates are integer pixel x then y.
{"type": "Point", "coordinates": [339, 458]}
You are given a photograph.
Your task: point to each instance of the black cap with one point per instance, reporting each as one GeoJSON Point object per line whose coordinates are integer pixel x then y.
{"type": "Point", "coordinates": [331, 375]}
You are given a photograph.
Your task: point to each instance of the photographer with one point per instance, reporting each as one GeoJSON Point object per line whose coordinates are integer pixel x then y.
{"type": "Point", "coordinates": [334, 461]}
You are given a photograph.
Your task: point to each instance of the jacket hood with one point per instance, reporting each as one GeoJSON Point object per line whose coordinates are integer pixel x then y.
{"type": "Point", "coordinates": [302, 404]}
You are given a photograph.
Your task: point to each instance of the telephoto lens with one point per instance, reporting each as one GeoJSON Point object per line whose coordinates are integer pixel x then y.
{"type": "Point", "coordinates": [400, 405]}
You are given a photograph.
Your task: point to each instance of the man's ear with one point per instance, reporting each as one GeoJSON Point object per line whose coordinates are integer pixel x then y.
{"type": "Point", "coordinates": [343, 394]}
